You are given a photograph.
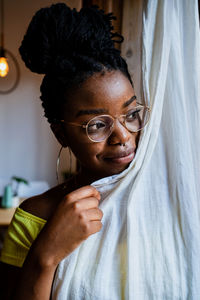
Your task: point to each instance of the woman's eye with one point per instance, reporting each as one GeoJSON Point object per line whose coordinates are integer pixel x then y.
{"type": "Point", "coordinates": [96, 126]}
{"type": "Point", "coordinates": [133, 115]}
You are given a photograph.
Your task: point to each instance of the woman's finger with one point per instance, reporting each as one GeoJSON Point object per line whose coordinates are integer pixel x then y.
{"type": "Point", "coordinates": [85, 204]}
{"type": "Point", "coordinates": [94, 214]}
{"type": "Point", "coordinates": [83, 192]}
{"type": "Point", "coordinates": [95, 226]}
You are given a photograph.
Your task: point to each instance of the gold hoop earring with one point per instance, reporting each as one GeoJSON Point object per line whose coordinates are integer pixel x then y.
{"type": "Point", "coordinates": [58, 163]}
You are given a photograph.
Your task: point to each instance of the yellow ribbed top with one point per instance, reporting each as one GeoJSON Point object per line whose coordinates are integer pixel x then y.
{"type": "Point", "coordinates": [22, 231]}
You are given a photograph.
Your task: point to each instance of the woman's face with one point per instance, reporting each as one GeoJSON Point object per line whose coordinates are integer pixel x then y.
{"type": "Point", "coordinates": [109, 93]}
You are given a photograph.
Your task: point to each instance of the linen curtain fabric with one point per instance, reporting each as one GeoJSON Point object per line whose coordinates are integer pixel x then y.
{"type": "Point", "coordinates": [149, 246]}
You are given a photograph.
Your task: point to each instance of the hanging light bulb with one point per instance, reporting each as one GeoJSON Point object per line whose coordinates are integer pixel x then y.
{"type": "Point", "coordinates": [3, 61]}
{"type": "Point", "coordinates": [6, 57]}
{"type": "Point", "coordinates": [4, 68]}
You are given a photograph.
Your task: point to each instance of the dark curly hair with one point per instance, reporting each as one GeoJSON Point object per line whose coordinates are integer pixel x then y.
{"type": "Point", "coordinates": [69, 47]}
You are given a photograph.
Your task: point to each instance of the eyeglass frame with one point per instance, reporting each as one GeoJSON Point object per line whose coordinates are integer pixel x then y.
{"type": "Point", "coordinates": [113, 118]}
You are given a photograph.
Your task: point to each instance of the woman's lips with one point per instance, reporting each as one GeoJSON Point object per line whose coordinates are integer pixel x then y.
{"type": "Point", "coordinates": [122, 157]}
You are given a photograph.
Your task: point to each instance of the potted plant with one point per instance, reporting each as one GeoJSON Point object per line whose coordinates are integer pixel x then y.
{"type": "Point", "coordinates": [18, 181]}
{"type": "Point", "coordinates": [11, 192]}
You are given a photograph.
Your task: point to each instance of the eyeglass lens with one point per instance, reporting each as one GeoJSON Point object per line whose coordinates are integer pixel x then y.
{"type": "Point", "coordinates": [99, 128]}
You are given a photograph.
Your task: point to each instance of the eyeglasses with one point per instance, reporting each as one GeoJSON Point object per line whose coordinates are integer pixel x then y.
{"type": "Point", "coordinates": [100, 127]}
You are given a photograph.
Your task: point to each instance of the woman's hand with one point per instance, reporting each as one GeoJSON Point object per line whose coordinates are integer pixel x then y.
{"type": "Point", "coordinates": [75, 219]}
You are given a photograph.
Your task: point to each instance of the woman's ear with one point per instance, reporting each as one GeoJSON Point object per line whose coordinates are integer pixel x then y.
{"type": "Point", "coordinates": [59, 133]}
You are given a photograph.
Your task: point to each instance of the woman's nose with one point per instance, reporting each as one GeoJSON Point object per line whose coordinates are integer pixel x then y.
{"type": "Point", "coordinates": [119, 135]}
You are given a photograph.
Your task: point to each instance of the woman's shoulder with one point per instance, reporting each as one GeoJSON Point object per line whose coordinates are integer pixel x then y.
{"type": "Point", "coordinates": [44, 205]}
{"type": "Point", "coordinates": [39, 206]}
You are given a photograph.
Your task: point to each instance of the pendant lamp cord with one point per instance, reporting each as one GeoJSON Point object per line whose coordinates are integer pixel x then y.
{"type": "Point", "coordinates": [2, 24]}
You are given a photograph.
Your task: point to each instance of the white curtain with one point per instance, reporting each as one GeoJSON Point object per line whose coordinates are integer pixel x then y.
{"type": "Point", "coordinates": [149, 246]}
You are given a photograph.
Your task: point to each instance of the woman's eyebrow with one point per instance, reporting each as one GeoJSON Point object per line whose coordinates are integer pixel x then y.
{"type": "Point", "coordinates": [129, 101]}
{"type": "Point", "coordinates": [91, 112]}
{"type": "Point", "coordinates": [101, 110]}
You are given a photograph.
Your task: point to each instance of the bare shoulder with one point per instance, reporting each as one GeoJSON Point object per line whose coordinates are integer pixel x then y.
{"type": "Point", "coordinates": [38, 206]}
{"type": "Point", "coordinates": [44, 205]}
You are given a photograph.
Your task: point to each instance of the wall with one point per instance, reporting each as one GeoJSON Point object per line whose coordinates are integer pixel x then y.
{"type": "Point", "coordinates": [27, 146]}
{"type": "Point", "coordinates": [132, 45]}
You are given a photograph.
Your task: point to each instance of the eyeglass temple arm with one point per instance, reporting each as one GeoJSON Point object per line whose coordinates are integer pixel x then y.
{"type": "Point", "coordinates": [73, 124]}
{"type": "Point", "coordinates": [146, 106]}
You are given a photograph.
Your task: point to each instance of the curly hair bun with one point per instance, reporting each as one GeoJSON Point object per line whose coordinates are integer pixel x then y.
{"type": "Point", "coordinates": [44, 36]}
{"type": "Point", "coordinates": [58, 34]}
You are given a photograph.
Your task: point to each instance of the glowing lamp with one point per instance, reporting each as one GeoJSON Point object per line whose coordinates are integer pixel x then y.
{"type": "Point", "coordinates": [3, 62]}
{"type": "Point", "coordinates": [5, 57]}
{"type": "Point", "coordinates": [4, 68]}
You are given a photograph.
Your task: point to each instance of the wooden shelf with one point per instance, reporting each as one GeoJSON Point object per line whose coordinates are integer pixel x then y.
{"type": "Point", "coordinates": [6, 215]}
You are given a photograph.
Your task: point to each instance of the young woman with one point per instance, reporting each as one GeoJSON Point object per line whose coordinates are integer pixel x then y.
{"type": "Point", "coordinates": [89, 100]}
